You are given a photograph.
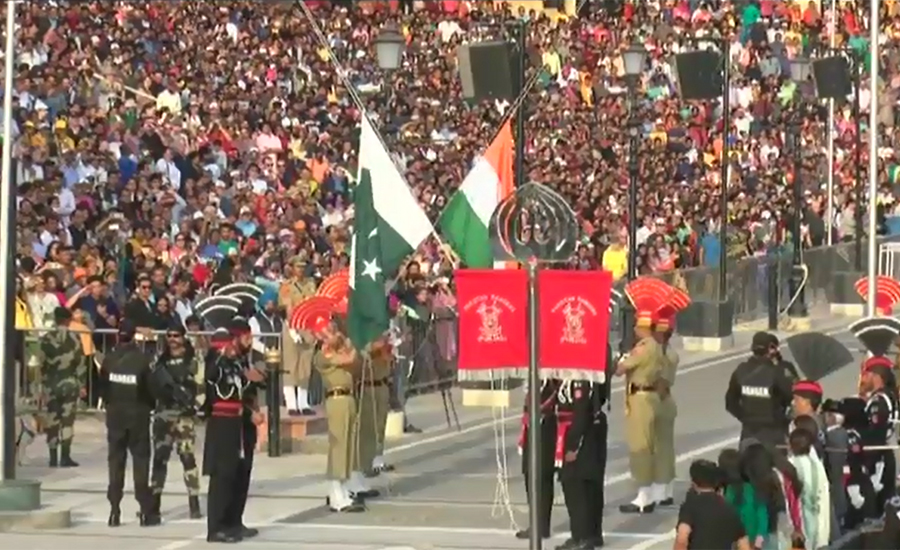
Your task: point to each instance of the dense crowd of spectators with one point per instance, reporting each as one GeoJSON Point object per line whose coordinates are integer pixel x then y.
{"type": "Point", "coordinates": [159, 140]}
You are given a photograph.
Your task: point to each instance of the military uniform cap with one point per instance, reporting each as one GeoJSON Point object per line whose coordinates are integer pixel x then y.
{"type": "Point", "coordinates": [62, 315]}
{"type": "Point", "coordinates": [313, 314]}
{"type": "Point", "coordinates": [127, 329]}
{"type": "Point", "coordinates": [877, 335]}
{"type": "Point", "coordinates": [665, 315]}
{"type": "Point", "coordinates": [763, 341]}
{"type": "Point", "coordinates": [239, 326]}
{"type": "Point", "coordinates": [647, 295]}
{"type": "Point", "coordinates": [831, 406]}
{"type": "Point", "coordinates": [220, 338]}
{"type": "Point", "coordinates": [808, 390]}
{"type": "Point", "coordinates": [887, 293]}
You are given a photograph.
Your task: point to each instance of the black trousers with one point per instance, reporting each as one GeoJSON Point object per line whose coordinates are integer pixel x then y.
{"type": "Point", "coordinates": [223, 497]}
{"type": "Point", "coordinates": [234, 515]}
{"type": "Point", "coordinates": [584, 503]}
{"type": "Point", "coordinates": [545, 505]}
{"type": "Point", "coordinates": [128, 431]}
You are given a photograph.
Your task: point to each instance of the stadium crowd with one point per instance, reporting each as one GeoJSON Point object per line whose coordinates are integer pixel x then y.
{"type": "Point", "coordinates": [162, 139]}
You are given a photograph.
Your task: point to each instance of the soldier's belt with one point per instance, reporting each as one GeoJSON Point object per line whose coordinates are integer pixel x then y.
{"type": "Point", "coordinates": [376, 383]}
{"type": "Point", "coordinates": [338, 392]}
{"type": "Point", "coordinates": [638, 388]}
{"type": "Point", "coordinates": [227, 409]}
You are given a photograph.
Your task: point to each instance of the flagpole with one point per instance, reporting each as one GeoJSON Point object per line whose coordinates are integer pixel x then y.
{"type": "Point", "coordinates": [873, 155]}
{"type": "Point", "coordinates": [829, 210]}
{"type": "Point", "coordinates": [7, 243]}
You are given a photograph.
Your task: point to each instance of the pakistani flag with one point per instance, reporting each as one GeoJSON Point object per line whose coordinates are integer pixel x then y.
{"type": "Point", "coordinates": [388, 226]}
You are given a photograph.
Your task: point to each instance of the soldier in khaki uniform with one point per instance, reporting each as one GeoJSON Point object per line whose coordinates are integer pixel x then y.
{"type": "Point", "coordinates": [664, 452]}
{"type": "Point", "coordinates": [374, 402]}
{"type": "Point", "coordinates": [299, 346]}
{"type": "Point", "coordinates": [641, 368]}
{"type": "Point", "coordinates": [337, 362]}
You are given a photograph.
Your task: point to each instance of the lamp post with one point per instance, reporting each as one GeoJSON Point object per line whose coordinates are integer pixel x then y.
{"type": "Point", "coordinates": [389, 48]}
{"type": "Point", "coordinates": [800, 70]}
{"type": "Point", "coordinates": [634, 58]}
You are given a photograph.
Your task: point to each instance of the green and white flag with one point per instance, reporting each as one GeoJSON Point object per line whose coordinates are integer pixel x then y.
{"type": "Point", "coordinates": [388, 226]}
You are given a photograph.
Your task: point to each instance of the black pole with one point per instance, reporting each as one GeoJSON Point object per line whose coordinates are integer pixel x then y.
{"type": "Point", "coordinates": [772, 295]}
{"type": "Point", "coordinates": [534, 414]}
{"type": "Point", "coordinates": [858, 187]}
{"type": "Point", "coordinates": [798, 304]}
{"type": "Point", "coordinates": [273, 401]}
{"type": "Point", "coordinates": [9, 373]}
{"type": "Point", "coordinates": [628, 339]}
{"type": "Point", "coordinates": [723, 200]}
{"type": "Point", "coordinates": [521, 31]}
{"type": "Point", "coordinates": [534, 379]}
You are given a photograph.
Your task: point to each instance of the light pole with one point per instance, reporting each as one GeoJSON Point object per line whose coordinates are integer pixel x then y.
{"type": "Point", "coordinates": [389, 48]}
{"type": "Point", "coordinates": [634, 58]}
{"type": "Point", "coordinates": [800, 69]}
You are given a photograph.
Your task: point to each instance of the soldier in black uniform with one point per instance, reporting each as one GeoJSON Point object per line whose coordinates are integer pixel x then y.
{"type": "Point", "coordinates": [775, 354]}
{"type": "Point", "coordinates": [225, 447]}
{"type": "Point", "coordinates": [584, 464]}
{"type": "Point", "coordinates": [254, 381]}
{"type": "Point", "coordinates": [881, 410]}
{"type": "Point", "coordinates": [548, 445]}
{"type": "Point", "coordinates": [124, 378]}
{"type": "Point", "coordinates": [859, 493]}
{"type": "Point", "coordinates": [759, 394]}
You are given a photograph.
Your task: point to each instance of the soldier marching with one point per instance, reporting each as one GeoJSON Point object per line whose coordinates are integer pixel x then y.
{"type": "Point", "coordinates": [64, 375]}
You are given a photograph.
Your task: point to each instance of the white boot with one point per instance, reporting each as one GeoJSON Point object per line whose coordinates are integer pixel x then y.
{"type": "Point", "coordinates": [642, 503]}
{"type": "Point", "coordinates": [670, 491]}
{"type": "Point", "coordinates": [657, 493]}
{"type": "Point", "coordinates": [358, 486]}
{"type": "Point", "coordinates": [302, 399]}
{"type": "Point", "coordinates": [379, 465]}
{"type": "Point", "coordinates": [338, 499]}
{"type": "Point", "coordinates": [290, 398]}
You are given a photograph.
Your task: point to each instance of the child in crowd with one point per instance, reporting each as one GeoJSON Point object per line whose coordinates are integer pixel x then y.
{"type": "Point", "coordinates": [743, 498]}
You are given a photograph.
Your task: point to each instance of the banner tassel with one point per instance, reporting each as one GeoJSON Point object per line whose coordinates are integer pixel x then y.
{"type": "Point", "coordinates": [502, 501]}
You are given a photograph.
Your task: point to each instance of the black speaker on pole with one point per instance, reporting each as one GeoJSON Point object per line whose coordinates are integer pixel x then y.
{"type": "Point", "coordinates": [486, 70]}
{"type": "Point", "coordinates": [832, 77]}
{"type": "Point", "coordinates": [699, 74]}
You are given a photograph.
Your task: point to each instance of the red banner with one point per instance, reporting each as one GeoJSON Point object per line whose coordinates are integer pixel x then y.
{"type": "Point", "coordinates": [493, 323]}
{"type": "Point", "coordinates": [573, 308]}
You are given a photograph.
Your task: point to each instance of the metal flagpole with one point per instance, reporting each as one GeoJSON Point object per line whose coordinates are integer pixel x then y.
{"type": "Point", "coordinates": [829, 209]}
{"type": "Point", "coordinates": [7, 290]}
{"type": "Point", "coordinates": [873, 153]}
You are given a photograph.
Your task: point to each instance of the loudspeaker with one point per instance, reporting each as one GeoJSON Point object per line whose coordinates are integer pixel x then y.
{"type": "Point", "coordinates": [832, 77]}
{"type": "Point", "coordinates": [486, 70]}
{"type": "Point", "coordinates": [699, 74]}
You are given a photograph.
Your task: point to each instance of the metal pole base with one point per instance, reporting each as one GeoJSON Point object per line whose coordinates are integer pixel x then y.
{"type": "Point", "coordinates": [798, 307]}
{"type": "Point", "coordinates": [20, 508]}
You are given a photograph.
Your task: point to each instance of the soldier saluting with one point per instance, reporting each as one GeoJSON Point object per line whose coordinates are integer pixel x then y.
{"type": "Point", "coordinates": [174, 422]}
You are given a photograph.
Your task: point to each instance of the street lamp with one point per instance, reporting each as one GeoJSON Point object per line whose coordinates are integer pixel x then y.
{"type": "Point", "coordinates": [389, 48]}
{"type": "Point", "coordinates": [800, 69]}
{"type": "Point", "coordinates": [634, 58]}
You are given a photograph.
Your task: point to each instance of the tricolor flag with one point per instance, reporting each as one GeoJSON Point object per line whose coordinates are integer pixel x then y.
{"type": "Point", "coordinates": [464, 222]}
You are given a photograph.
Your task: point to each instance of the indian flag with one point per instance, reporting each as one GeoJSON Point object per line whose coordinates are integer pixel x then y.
{"type": "Point", "coordinates": [465, 220]}
{"type": "Point", "coordinates": [388, 226]}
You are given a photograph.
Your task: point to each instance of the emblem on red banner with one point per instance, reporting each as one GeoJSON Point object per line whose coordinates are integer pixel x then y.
{"type": "Point", "coordinates": [493, 335]}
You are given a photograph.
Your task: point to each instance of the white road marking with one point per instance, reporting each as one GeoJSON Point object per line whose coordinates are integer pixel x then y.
{"type": "Point", "coordinates": [653, 541]}
{"type": "Point", "coordinates": [381, 528]}
{"type": "Point", "coordinates": [701, 365]}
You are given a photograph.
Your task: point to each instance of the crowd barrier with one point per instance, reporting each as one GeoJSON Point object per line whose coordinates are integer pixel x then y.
{"type": "Point", "coordinates": [427, 359]}
{"type": "Point", "coordinates": [747, 279]}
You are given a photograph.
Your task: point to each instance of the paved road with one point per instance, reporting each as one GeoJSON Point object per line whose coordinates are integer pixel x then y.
{"type": "Point", "coordinates": [444, 495]}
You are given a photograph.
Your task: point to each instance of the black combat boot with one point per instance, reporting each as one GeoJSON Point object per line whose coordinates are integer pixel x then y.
{"type": "Point", "coordinates": [194, 507]}
{"type": "Point", "coordinates": [54, 458]}
{"type": "Point", "coordinates": [115, 517]}
{"type": "Point", "coordinates": [65, 456]}
{"type": "Point", "coordinates": [149, 519]}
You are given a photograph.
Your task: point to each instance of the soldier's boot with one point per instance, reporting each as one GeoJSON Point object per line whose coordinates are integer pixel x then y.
{"type": "Point", "coordinates": [65, 456]}
{"type": "Point", "coordinates": [194, 507]}
{"type": "Point", "coordinates": [115, 517]}
{"type": "Point", "coordinates": [54, 457]}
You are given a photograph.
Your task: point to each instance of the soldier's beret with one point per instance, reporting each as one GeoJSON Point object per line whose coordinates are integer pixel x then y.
{"type": "Point", "coordinates": [220, 338]}
{"type": "Point", "coordinates": [126, 329]}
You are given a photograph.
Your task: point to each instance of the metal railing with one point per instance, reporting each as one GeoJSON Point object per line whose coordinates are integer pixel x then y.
{"type": "Point", "coordinates": [427, 358]}
{"type": "Point", "coordinates": [747, 278]}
